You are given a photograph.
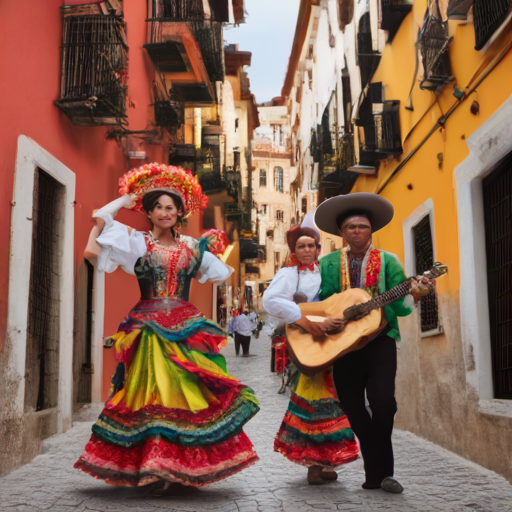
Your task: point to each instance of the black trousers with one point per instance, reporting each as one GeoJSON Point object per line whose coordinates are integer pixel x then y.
{"type": "Point", "coordinates": [372, 369]}
{"type": "Point", "coordinates": [245, 341]}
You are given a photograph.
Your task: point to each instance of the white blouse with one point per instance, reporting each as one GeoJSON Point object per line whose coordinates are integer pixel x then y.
{"type": "Point", "coordinates": [120, 248]}
{"type": "Point", "coordinates": [278, 297]}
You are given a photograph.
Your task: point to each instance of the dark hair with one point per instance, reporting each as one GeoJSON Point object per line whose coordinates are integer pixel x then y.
{"type": "Point", "coordinates": [353, 213]}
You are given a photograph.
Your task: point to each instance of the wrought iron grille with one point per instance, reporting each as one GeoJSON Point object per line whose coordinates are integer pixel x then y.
{"type": "Point", "coordinates": [183, 9]}
{"type": "Point", "coordinates": [434, 41]}
{"type": "Point", "coordinates": [347, 156]}
{"type": "Point", "coordinates": [210, 38]}
{"type": "Point", "coordinates": [498, 231]}
{"type": "Point", "coordinates": [170, 114]}
{"type": "Point", "coordinates": [42, 360]}
{"type": "Point", "coordinates": [398, 5]}
{"type": "Point", "coordinates": [387, 126]}
{"type": "Point", "coordinates": [94, 70]}
{"type": "Point", "coordinates": [488, 16]}
{"type": "Point", "coordinates": [424, 260]}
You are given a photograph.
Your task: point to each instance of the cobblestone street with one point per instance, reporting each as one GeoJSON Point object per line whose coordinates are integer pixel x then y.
{"type": "Point", "coordinates": [434, 479]}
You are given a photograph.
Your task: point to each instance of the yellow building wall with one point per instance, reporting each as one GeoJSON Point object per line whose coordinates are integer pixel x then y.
{"type": "Point", "coordinates": [423, 172]}
{"type": "Point", "coordinates": [434, 398]}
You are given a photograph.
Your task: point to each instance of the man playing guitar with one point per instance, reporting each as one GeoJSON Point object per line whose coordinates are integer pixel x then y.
{"type": "Point", "coordinates": [373, 368]}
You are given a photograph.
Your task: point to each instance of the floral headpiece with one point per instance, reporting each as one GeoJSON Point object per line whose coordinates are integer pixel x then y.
{"type": "Point", "coordinates": [150, 176]}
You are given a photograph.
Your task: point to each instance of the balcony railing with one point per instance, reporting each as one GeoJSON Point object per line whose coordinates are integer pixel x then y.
{"type": "Point", "coordinates": [166, 55]}
{"type": "Point", "coordinates": [397, 5]}
{"type": "Point", "coordinates": [387, 127]}
{"type": "Point", "coordinates": [488, 15]}
{"type": "Point", "coordinates": [434, 41]}
{"type": "Point", "coordinates": [169, 114]}
{"type": "Point", "coordinates": [180, 10]}
{"type": "Point", "coordinates": [94, 70]}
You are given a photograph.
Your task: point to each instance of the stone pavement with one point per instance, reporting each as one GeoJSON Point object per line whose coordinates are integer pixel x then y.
{"type": "Point", "coordinates": [434, 479]}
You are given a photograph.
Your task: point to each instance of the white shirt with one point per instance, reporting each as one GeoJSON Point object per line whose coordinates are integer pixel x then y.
{"type": "Point", "coordinates": [278, 297]}
{"type": "Point", "coordinates": [120, 248]}
{"type": "Point", "coordinates": [243, 325]}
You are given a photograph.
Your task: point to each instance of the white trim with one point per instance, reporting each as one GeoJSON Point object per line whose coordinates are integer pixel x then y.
{"type": "Point", "coordinates": [488, 146]}
{"type": "Point", "coordinates": [98, 324]}
{"type": "Point", "coordinates": [30, 156]}
{"type": "Point", "coordinates": [408, 224]}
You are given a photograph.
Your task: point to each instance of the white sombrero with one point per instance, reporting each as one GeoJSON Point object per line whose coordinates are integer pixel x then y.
{"type": "Point", "coordinates": [379, 210]}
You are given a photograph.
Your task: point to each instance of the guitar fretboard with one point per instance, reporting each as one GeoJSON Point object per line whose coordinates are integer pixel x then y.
{"type": "Point", "coordinates": [387, 298]}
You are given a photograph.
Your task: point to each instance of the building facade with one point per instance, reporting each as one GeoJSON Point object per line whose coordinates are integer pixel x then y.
{"type": "Point", "coordinates": [118, 84]}
{"type": "Point", "coordinates": [411, 100]}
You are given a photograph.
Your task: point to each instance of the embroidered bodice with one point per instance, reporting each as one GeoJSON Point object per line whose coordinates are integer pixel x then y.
{"type": "Point", "coordinates": [166, 272]}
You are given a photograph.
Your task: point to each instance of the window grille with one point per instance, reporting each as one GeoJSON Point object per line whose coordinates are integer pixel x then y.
{"type": "Point", "coordinates": [183, 9]}
{"type": "Point", "coordinates": [424, 252]}
{"type": "Point", "coordinates": [42, 360]}
{"type": "Point", "coordinates": [279, 215]}
{"type": "Point", "coordinates": [263, 178]}
{"type": "Point", "coordinates": [498, 231]}
{"type": "Point", "coordinates": [434, 41]}
{"type": "Point", "coordinates": [278, 179]}
{"type": "Point", "coordinates": [94, 70]}
{"type": "Point", "coordinates": [386, 116]}
{"type": "Point", "coordinates": [169, 113]}
{"type": "Point", "coordinates": [488, 16]}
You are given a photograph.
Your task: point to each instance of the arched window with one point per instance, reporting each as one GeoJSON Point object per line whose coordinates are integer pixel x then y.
{"type": "Point", "coordinates": [278, 179]}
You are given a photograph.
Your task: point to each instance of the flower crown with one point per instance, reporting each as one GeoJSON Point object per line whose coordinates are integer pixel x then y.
{"type": "Point", "coordinates": [150, 176]}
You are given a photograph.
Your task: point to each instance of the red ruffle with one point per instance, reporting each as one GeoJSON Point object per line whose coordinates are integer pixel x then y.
{"type": "Point", "coordinates": [325, 454]}
{"type": "Point", "coordinates": [159, 459]}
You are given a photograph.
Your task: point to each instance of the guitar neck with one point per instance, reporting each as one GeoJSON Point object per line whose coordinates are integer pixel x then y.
{"type": "Point", "coordinates": [398, 292]}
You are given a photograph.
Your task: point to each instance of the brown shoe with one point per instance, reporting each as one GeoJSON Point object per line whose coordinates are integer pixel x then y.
{"type": "Point", "coordinates": [315, 475]}
{"type": "Point", "coordinates": [329, 474]}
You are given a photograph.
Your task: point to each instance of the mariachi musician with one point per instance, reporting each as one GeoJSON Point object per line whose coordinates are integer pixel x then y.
{"type": "Point", "coordinates": [373, 368]}
{"type": "Point", "coordinates": [315, 431]}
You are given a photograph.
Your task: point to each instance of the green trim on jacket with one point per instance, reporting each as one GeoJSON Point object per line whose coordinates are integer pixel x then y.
{"type": "Point", "coordinates": [391, 274]}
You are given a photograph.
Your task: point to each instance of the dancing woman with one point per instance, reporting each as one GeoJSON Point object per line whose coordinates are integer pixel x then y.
{"type": "Point", "coordinates": [315, 431]}
{"type": "Point", "coordinates": [174, 414]}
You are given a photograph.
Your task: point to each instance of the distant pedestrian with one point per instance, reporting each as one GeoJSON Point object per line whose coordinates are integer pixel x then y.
{"type": "Point", "coordinates": [242, 327]}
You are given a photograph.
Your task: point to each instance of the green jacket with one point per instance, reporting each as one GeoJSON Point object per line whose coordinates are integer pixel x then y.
{"type": "Point", "coordinates": [391, 273]}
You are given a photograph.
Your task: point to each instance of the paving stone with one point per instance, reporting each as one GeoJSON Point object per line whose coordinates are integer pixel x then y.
{"type": "Point", "coordinates": [435, 480]}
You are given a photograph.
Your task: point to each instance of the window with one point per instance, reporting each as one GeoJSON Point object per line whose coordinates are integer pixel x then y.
{"type": "Point", "coordinates": [278, 179]}
{"type": "Point", "coordinates": [263, 178]}
{"type": "Point", "coordinates": [424, 252]}
{"type": "Point", "coordinates": [304, 205]}
{"type": "Point", "coordinates": [264, 209]}
{"type": "Point", "coordinates": [279, 215]}
{"type": "Point", "coordinates": [277, 261]}
{"type": "Point", "coordinates": [94, 69]}
{"type": "Point", "coordinates": [236, 161]}
{"type": "Point", "coordinates": [43, 336]}
{"type": "Point", "coordinates": [270, 234]}
{"type": "Point", "coordinates": [498, 230]}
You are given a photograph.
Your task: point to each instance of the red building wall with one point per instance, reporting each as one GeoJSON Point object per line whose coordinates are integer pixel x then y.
{"type": "Point", "coordinates": [30, 68]}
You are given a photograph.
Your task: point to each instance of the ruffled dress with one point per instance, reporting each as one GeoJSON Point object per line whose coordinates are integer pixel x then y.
{"type": "Point", "coordinates": [315, 431]}
{"type": "Point", "coordinates": [175, 413]}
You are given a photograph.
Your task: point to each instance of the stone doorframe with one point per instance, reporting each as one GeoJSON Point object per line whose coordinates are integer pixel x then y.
{"type": "Point", "coordinates": [488, 146]}
{"type": "Point", "coordinates": [30, 157]}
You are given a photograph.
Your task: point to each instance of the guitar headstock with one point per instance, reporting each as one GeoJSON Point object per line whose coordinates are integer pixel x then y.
{"type": "Point", "coordinates": [437, 270]}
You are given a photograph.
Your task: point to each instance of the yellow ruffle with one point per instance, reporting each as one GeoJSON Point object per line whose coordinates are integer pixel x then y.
{"type": "Point", "coordinates": [314, 388]}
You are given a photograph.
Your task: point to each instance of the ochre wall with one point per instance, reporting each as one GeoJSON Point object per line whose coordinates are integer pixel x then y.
{"type": "Point", "coordinates": [434, 398]}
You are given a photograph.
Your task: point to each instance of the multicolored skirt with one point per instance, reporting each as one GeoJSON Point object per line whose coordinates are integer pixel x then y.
{"type": "Point", "coordinates": [315, 430]}
{"type": "Point", "coordinates": [174, 414]}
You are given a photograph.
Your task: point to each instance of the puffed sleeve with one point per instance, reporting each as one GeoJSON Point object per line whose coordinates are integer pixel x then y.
{"type": "Point", "coordinates": [119, 247]}
{"type": "Point", "coordinates": [278, 297]}
{"type": "Point", "coordinates": [203, 264]}
{"type": "Point", "coordinates": [213, 270]}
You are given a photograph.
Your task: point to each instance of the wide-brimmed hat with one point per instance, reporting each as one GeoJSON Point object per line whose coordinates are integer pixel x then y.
{"type": "Point", "coordinates": [379, 210]}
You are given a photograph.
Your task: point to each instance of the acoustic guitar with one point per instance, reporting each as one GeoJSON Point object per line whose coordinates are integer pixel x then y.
{"type": "Point", "coordinates": [364, 321]}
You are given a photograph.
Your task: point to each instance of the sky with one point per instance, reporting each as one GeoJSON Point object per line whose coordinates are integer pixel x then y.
{"type": "Point", "coordinates": [268, 34]}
